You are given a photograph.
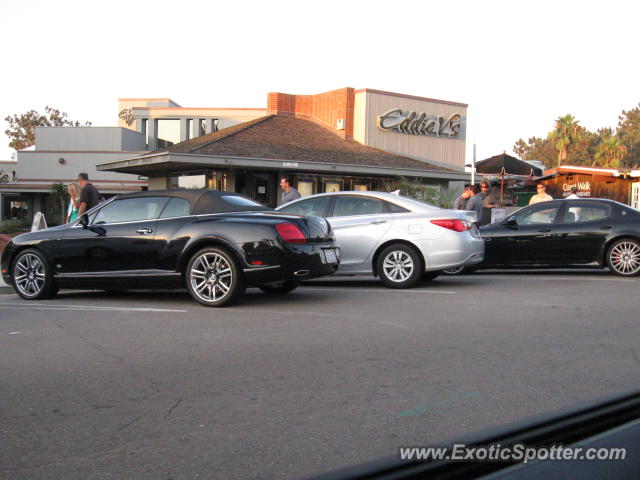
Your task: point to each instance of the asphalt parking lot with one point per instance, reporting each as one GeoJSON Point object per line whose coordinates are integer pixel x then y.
{"type": "Point", "coordinates": [151, 385]}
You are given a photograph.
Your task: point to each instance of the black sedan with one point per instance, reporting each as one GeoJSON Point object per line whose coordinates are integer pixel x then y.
{"type": "Point", "coordinates": [566, 233]}
{"type": "Point", "coordinates": [214, 243]}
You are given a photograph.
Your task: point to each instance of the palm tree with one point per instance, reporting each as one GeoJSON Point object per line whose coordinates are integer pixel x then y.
{"type": "Point", "coordinates": [609, 153]}
{"type": "Point", "coordinates": [564, 135]}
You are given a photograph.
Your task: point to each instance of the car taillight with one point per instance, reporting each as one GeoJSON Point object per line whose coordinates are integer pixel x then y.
{"type": "Point", "coordinates": [290, 233]}
{"type": "Point", "coordinates": [453, 224]}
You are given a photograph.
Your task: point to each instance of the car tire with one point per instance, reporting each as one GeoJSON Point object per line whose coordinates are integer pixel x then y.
{"type": "Point", "coordinates": [213, 277]}
{"type": "Point", "coordinates": [280, 288]}
{"type": "Point", "coordinates": [399, 266]}
{"type": "Point", "coordinates": [623, 257]}
{"type": "Point", "coordinates": [32, 276]}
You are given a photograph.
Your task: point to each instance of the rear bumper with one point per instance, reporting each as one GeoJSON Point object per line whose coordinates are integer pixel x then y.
{"type": "Point", "coordinates": [452, 250]}
{"type": "Point", "coordinates": [297, 262]}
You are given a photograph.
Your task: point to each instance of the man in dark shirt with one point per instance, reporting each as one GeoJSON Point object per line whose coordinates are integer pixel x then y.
{"type": "Point", "coordinates": [89, 196]}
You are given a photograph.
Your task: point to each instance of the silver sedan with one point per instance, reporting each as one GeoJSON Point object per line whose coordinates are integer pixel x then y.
{"type": "Point", "coordinates": [399, 239]}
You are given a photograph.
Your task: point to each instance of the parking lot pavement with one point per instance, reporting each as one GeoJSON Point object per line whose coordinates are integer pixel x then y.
{"type": "Point", "coordinates": [4, 288]}
{"type": "Point", "coordinates": [152, 385]}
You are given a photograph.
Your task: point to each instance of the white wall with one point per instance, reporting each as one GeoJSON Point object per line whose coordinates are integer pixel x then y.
{"type": "Point", "coordinates": [443, 150]}
{"type": "Point", "coordinates": [109, 139]}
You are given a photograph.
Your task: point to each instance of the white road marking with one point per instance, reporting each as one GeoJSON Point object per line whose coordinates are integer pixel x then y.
{"type": "Point", "coordinates": [288, 313]}
{"type": "Point", "coordinates": [548, 278]}
{"type": "Point", "coordinates": [19, 306]}
{"type": "Point", "coordinates": [347, 289]}
{"type": "Point", "coordinates": [14, 333]}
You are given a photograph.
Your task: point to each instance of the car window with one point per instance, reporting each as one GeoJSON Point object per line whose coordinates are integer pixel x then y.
{"type": "Point", "coordinates": [177, 207]}
{"type": "Point", "coordinates": [348, 205]}
{"type": "Point", "coordinates": [580, 212]}
{"type": "Point", "coordinates": [537, 215]}
{"type": "Point", "coordinates": [393, 208]}
{"type": "Point", "coordinates": [130, 209]}
{"type": "Point", "coordinates": [313, 206]}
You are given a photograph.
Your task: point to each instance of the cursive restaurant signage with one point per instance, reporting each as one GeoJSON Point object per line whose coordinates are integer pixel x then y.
{"type": "Point", "coordinates": [419, 123]}
{"type": "Point", "coordinates": [127, 115]}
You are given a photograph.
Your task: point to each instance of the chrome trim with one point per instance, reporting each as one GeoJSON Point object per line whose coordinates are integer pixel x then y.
{"type": "Point", "coordinates": [118, 273]}
{"type": "Point", "coordinates": [259, 269]}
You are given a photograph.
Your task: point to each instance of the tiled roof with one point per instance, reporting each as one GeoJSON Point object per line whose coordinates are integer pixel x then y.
{"type": "Point", "coordinates": [296, 139]}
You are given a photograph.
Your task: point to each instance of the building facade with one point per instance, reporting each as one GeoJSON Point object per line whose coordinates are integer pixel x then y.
{"type": "Point", "coordinates": [343, 139]}
{"type": "Point", "coordinates": [59, 154]}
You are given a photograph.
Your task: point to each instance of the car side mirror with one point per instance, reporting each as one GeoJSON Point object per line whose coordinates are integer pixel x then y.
{"type": "Point", "coordinates": [84, 221]}
{"type": "Point", "coordinates": [511, 223]}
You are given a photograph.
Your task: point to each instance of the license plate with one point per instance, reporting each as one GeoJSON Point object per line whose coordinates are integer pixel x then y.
{"type": "Point", "coordinates": [330, 255]}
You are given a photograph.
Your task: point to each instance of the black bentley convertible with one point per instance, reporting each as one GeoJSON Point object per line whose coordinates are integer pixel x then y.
{"type": "Point", "coordinates": [214, 243]}
{"type": "Point", "coordinates": [566, 233]}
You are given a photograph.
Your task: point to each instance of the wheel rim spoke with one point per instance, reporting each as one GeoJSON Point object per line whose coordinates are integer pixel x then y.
{"type": "Point", "coordinates": [211, 277]}
{"type": "Point", "coordinates": [398, 266]}
{"type": "Point", "coordinates": [625, 258]}
{"type": "Point", "coordinates": [29, 275]}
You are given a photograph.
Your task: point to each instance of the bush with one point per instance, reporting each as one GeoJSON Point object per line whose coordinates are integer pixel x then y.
{"type": "Point", "coordinates": [11, 227]}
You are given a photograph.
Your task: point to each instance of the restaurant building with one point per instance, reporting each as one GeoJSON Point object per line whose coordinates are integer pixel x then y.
{"type": "Point", "coordinates": [592, 182]}
{"type": "Point", "coordinates": [345, 139]}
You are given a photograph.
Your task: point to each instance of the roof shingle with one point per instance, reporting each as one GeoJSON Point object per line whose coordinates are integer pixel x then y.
{"type": "Point", "coordinates": [297, 139]}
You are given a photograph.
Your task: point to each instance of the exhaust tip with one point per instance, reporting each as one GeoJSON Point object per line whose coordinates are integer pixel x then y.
{"type": "Point", "coordinates": [301, 273]}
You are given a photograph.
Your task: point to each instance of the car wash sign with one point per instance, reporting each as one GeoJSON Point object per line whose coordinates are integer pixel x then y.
{"type": "Point", "coordinates": [419, 123]}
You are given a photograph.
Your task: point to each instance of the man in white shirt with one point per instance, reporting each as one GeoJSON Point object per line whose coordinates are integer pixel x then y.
{"type": "Point", "coordinates": [541, 196]}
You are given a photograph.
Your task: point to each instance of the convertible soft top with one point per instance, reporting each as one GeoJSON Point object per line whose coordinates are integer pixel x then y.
{"type": "Point", "coordinates": [203, 202]}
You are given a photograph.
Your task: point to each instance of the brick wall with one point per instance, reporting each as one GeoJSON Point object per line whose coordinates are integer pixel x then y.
{"type": "Point", "coordinates": [325, 108]}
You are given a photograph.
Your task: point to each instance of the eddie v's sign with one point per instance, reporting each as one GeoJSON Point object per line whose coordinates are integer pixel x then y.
{"type": "Point", "coordinates": [419, 123]}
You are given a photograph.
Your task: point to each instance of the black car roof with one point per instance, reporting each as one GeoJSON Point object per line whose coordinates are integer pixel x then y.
{"type": "Point", "coordinates": [202, 201]}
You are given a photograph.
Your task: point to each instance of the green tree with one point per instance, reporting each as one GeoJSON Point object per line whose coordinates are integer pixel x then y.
{"type": "Point", "coordinates": [564, 135]}
{"type": "Point", "coordinates": [609, 153]}
{"type": "Point", "coordinates": [628, 132]}
{"type": "Point", "coordinates": [22, 128]}
{"type": "Point", "coordinates": [536, 149]}
{"type": "Point", "coordinates": [58, 192]}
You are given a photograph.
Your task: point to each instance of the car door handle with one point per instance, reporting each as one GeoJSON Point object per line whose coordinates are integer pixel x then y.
{"type": "Point", "coordinates": [144, 231]}
{"type": "Point", "coordinates": [545, 230]}
{"type": "Point", "coordinates": [378, 222]}
{"type": "Point", "coordinates": [606, 227]}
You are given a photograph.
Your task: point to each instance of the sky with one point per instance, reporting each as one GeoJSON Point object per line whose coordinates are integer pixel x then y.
{"type": "Point", "coordinates": [519, 65]}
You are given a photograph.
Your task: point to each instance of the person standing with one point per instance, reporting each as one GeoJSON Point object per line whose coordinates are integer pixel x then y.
{"type": "Point", "coordinates": [460, 203]}
{"type": "Point", "coordinates": [288, 192]}
{"type": "Point", "coordinates": [541, 196]}
{"type": "Point", "coordinates": [474, 203]}
{"type": "Point", "coordinates": [73, 189]}
{"type": "Point", "coordinates": [487, 199]}
{"type": "Point", "coordinates": [89, 195]}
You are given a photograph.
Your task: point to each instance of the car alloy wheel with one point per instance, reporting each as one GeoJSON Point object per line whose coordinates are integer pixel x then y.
{"type": "Point", "coordinates": [213, 278]}
{"type": "Point", "coordinates": [624, 257]}
{"type": "Point", "coordinates": [31, 276]}
{"type": "Point", "coordinates": [399, 266]}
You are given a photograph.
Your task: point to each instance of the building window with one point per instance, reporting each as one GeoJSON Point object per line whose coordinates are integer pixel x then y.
{"type": "Point", "coordinates": [332, 186]}
{"type": "Point", "coordinates": [195, 181]}
{"type": "Point", "coordinates": [203, 127]}
{"type": "Point", "coordinates": [189, 128]}
{"type": "Point", "coordinates": [214, 124]}
{"type": "Point", "coordinates": [305, 187]}
{"type": "Point", "coordinates": [168, 132]}
{"type": "Point", "coordinates": [14, 208]}
{"type": "Point", "coordinates": [145, 132]}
